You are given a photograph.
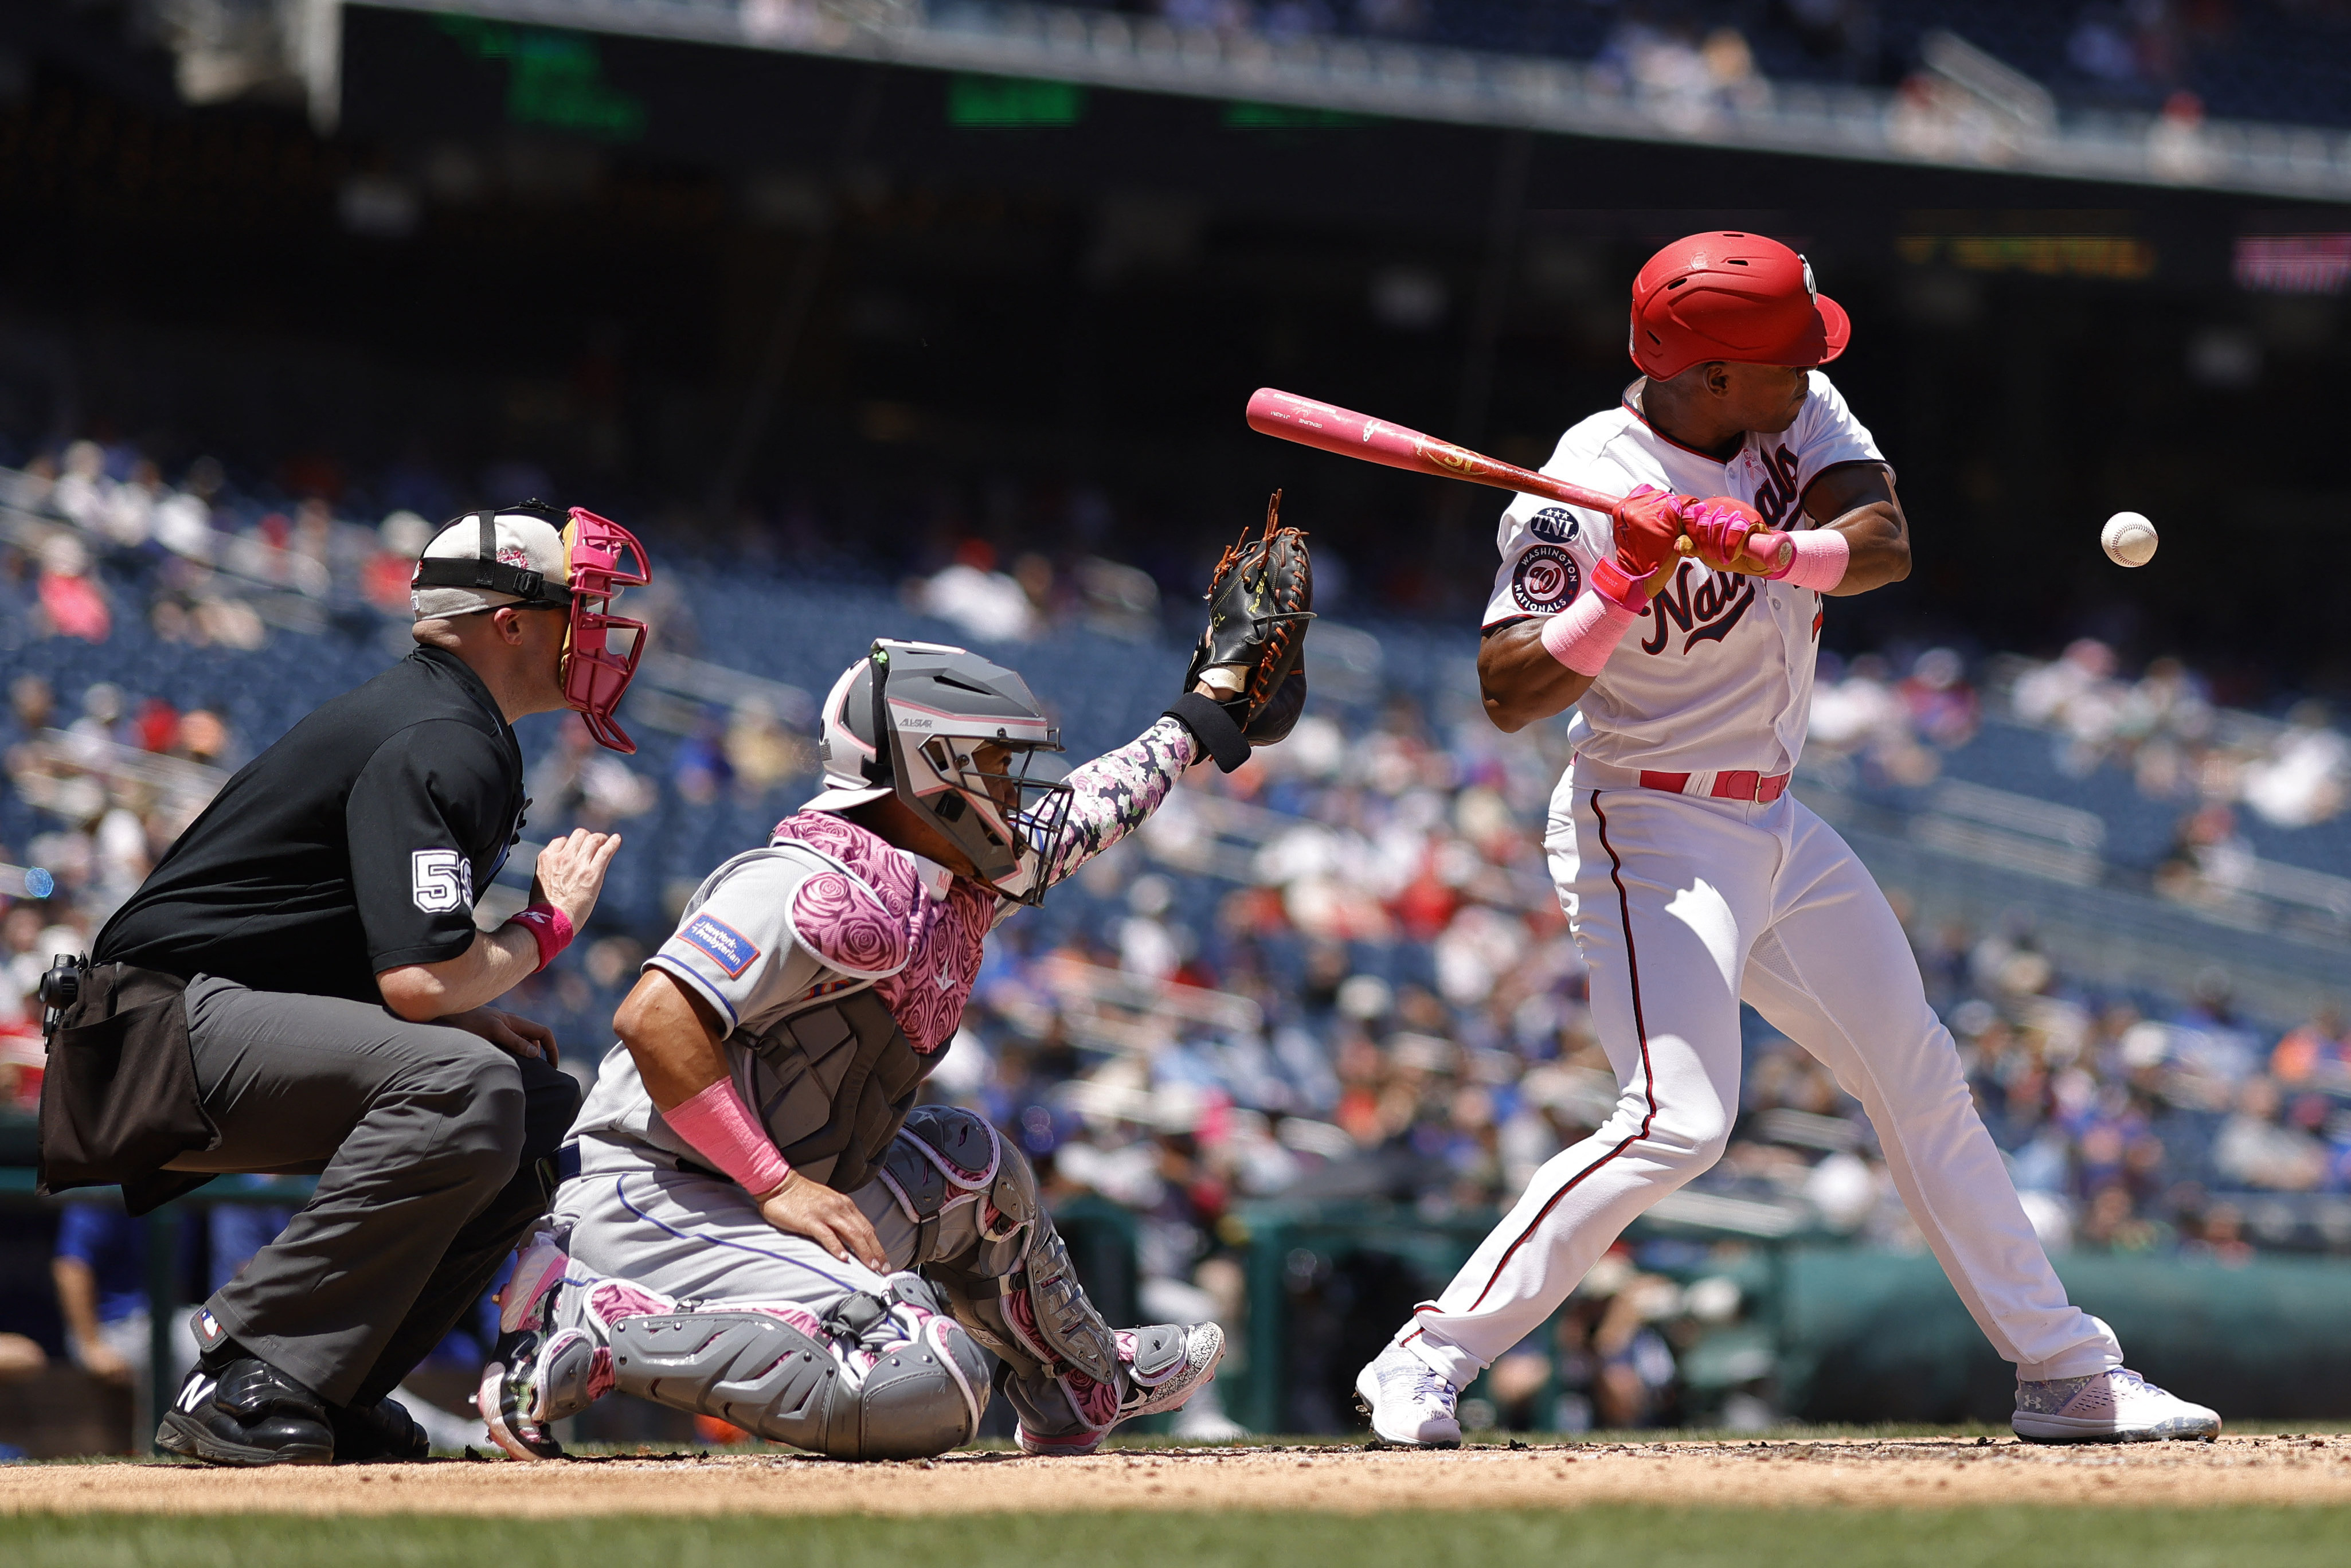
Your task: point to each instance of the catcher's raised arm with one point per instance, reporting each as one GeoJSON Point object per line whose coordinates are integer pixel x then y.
{"type": "Point", "coordinates": [1252, 655]}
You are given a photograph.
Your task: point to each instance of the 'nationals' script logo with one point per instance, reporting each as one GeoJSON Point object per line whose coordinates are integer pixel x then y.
{"type": "Point", "coordinates": [1704, 609]}
{"type": "Point", "coordinates": [1776, 498]}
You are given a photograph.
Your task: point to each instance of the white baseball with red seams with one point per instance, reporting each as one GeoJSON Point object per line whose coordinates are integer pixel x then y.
{"type": "Point", "coordinates": [1685, 904]}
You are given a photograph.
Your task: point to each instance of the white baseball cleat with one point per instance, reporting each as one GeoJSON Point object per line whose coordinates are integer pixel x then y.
{"type": "Point", "coordinates": [2116, 1405]}
{"type": "Point", "coordinates": [1408, 1400]}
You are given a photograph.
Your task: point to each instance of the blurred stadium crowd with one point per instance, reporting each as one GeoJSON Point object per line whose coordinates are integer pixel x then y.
{"type": "Point", "coordinates": [1338, 975]}
{"type": "Point", "coordinates": [2262, 59]}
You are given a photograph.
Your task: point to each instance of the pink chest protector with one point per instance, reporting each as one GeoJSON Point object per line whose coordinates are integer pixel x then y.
{"type": "Point", "coordinates": [925, 951]}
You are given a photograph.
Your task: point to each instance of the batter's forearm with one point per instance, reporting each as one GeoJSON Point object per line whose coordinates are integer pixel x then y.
{"type": "Point", "coordinates": [1520, 681]}
{"type": "Point", "coordinates": [1879, 548]}
{"type": "Point", "coordinates": [1116, 792]}
{"type": "Point", "coordinates": [1858, 500]}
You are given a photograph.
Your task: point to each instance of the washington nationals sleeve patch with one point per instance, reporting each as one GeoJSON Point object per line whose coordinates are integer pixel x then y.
{"type": "Point", "coordinates": [728, 948]}
{"type": "Point", "coordinates": [1547, 579]}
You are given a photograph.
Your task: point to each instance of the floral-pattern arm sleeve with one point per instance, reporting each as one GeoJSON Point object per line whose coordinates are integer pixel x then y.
{"type": "Point", "coordinates": [1111, 795]}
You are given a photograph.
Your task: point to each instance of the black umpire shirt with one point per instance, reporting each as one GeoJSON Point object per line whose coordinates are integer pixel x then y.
{"type": "Point", "coordinates": [352, 846]}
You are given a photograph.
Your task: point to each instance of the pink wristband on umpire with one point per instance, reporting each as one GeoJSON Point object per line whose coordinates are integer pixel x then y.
{"type": "Point", "coordinates": [548, 926]}
{"type": "Point", "coordinates": [719, 1126]}
{"type": "Point", "coordinates": [1816, 559]}
{"type": "Point", "coordinates": [1583, 635]}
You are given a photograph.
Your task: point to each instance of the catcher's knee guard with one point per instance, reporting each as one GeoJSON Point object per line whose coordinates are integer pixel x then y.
{"type": "Point", "coordinates": [872, 1381]}
{"type": "Point", "coordinates": [937, 1167]}
{"type": "Point", "coordinates": [984, 1237]}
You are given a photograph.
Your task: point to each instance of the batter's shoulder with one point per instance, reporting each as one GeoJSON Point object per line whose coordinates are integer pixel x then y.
{"type": "Point", "coordinates": [1824, 402]}
{"type": "Point", "coordinates": [1589, 438]}
{"type": "Point", "coordinates": [1827, 433]}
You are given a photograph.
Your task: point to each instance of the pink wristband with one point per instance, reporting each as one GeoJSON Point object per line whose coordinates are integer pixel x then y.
{"type": "Point", "coordinates": [548, 926]}
{"type": "Point", "coordinates": [1583, 635]}
{"type": "Point", "coordinates": [1816, 559]}
{"type": "Point", "coordinates": [719, 1127]}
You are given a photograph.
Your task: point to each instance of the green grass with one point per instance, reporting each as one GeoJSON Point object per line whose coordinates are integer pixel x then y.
{"type": "Point", "coordinates": [1650, 1537]}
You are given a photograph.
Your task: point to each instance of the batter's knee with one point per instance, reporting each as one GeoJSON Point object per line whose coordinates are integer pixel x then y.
{"type": "Point", "coordinates": [1689, 1139]}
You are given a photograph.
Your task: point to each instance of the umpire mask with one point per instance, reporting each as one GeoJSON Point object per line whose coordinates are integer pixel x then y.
{"type": "Point", "coordinates": [539, 555]}
{"type": "Point", "coordinates": [960, 740]}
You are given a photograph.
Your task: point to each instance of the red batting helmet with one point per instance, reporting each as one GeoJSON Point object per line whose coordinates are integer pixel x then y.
{"type": "Point", "coordinates": [1731, 297]}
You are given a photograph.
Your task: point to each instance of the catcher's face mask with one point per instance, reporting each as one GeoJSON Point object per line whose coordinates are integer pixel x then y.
{"type": "Point", "coordinates": [963, 743]}
{"type": "Point", "coordinates": [600, 649]}
{"type": "Point", "coordinates": [598, 558]}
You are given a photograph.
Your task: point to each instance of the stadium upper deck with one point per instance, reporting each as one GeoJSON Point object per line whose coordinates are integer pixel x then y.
{"type": "Point", "coordinates": [2105, 93]}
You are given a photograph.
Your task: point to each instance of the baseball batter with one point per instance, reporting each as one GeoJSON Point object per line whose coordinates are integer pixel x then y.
{"type": "Point", "coordinates": [1682, 630]}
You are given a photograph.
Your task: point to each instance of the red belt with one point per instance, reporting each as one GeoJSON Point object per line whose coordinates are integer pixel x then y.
{"type": "Point", "coordinates": [1735, 786]}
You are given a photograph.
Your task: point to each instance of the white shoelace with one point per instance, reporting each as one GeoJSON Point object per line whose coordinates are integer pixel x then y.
{"type": "Point", "coordinates": [1428, 1385]}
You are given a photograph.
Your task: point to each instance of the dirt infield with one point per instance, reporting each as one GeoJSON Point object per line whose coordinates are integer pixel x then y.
{"type": "Point", "coordinates": [1908, 1472]}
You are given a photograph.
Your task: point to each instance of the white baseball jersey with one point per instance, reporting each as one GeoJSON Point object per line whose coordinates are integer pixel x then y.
{"type": "Point", "coordinates": [1718, 674]}
{"type": "Point", "coordinates": [1686, 905]}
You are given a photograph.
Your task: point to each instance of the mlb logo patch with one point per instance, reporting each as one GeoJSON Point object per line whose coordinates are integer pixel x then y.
{"type": "Point", "coordinates": [727, 947]}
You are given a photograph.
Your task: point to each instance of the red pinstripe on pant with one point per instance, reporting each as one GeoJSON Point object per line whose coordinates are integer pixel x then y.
{"type": "Point", "coordinates": [1648, 1079]}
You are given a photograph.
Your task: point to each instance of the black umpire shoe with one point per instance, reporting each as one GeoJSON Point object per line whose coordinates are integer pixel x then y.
{"type": "Point", "coordinates": [248, 1413]}
{"type": "Point", "coordinates": [381, 1432]}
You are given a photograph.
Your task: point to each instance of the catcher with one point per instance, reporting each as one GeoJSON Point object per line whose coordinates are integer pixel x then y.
{"type": "Point", "coordinates": [764, 1229]}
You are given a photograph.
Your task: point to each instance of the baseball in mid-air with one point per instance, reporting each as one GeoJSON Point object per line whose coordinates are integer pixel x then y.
{"type": "Point", "coordinates": [2129, 539]}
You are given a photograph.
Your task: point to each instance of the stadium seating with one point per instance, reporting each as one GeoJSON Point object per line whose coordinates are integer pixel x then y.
{"type": "Point", "coordinates": [1502, 1068]}
{"type": "Point", "coordinates": [2261, 61]}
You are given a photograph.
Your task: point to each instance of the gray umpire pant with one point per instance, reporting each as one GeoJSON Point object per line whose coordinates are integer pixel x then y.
{"type": "Point", "coordinates": [433, 1151]}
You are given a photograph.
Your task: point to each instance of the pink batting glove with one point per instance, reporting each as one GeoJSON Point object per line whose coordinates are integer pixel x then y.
{"type": "Point", "coordinates": [1723, 528]}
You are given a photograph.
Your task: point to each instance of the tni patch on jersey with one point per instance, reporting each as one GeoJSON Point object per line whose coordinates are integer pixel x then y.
{"type": "Point", "coordinates": [1556, 523]}
{"type": "Point", "coordinates": [1547, 579]}
{"type": "Point", "coordinates": [728, 948]}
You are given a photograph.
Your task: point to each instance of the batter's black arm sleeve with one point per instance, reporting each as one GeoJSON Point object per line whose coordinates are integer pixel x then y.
{"type": "Point", "coordinates": [420, 811]}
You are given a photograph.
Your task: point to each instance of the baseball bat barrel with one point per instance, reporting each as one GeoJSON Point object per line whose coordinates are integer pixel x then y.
{"type": "Point", "coordinates": [1359, 436]}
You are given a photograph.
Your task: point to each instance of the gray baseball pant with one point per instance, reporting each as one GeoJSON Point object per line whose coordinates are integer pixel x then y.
{"type": "Point", "coordinates": [431, 1147]}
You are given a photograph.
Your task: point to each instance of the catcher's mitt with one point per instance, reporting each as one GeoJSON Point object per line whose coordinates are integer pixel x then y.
{"type": "Point", "coordinates": [1259, 599]}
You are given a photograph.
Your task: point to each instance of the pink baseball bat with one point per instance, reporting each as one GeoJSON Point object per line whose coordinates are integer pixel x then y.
{"type": "Point", "coordinates": [1359, 436]}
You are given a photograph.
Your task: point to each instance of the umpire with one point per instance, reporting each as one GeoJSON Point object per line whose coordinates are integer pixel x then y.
{"type": "Point", "coordinates": [299, 986]}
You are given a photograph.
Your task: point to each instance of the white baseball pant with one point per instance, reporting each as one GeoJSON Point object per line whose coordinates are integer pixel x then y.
{"type": "Point", "coordinates": [1683, 905]}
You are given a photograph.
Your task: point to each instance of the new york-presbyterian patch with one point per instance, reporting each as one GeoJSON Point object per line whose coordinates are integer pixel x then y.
{"type": "Point", "coordinates": [728, 948]}
{"type": "Point", "coordinates": [1547, 579]}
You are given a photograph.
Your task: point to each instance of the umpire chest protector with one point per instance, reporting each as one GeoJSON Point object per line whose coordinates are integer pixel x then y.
{"type": "Point", "coordinates": [833, 1083]}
